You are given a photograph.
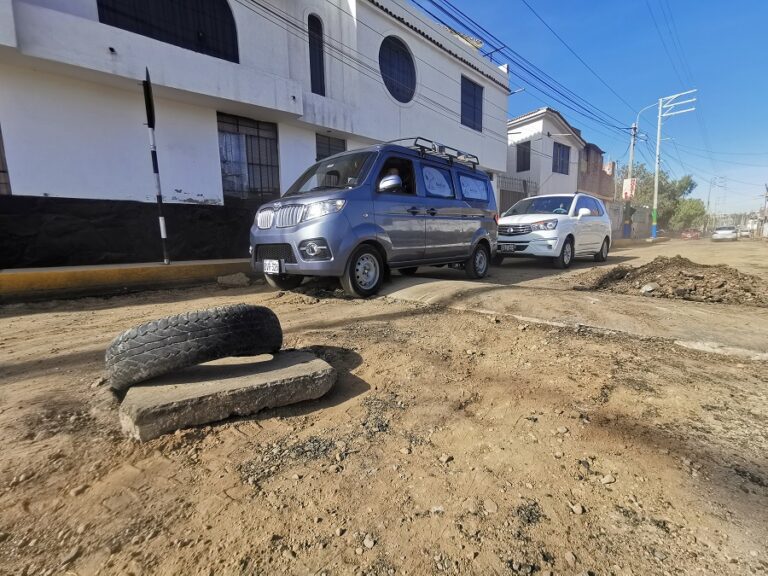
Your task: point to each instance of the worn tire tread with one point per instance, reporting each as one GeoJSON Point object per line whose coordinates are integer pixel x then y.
{"type": "Point", "coordinates": [162, 346]}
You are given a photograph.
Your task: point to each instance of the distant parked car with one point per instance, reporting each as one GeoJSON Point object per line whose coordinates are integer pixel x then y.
{"type": "Point", "coordinates": [725, 233]}
{"type": "Point", "coordinates": [745, 232]}
{"type": "Point", "coordinates": [559, 226]}
{"type": "Point", "coordinates": [690, 234]}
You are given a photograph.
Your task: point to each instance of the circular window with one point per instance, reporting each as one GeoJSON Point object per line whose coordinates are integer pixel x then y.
{"type": "Point", "coordinates": [397, 69]}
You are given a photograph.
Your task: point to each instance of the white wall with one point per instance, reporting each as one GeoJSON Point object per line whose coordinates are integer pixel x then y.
{"type": "Point", "coordinates": [297, 150]}
{"type": "Point", "coordinates": [74, 139]}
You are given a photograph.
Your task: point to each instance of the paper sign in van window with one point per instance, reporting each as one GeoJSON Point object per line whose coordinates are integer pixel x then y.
{"type": "Point", "coordinates": [437, 182]}
{"type": "Point", "coordinates": [473, 188]}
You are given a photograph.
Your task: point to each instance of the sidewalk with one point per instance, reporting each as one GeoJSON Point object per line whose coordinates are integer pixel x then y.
{"type": "Point", "coordinates": [38, 283]}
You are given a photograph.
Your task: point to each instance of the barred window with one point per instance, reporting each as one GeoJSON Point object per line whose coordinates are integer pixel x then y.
{"type": "Point", "coordinates": [561, 158]}
{"type": "Point", "coordinates": [205, 26]}
{"type": "Point", "coordinates": [397, 69]}
{"type": "Point", "coordinates": [328, 146]}
{"type": "Point", "coordinates": [471, 104]}
{"type": "Point", "coordinates": [249, 158]}
{"type": "Point", "coordinates": [316, 55]}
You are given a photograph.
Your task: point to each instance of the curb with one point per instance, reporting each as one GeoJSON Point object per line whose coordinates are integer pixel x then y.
{"type": "Point", "coordinates": [29, 284]}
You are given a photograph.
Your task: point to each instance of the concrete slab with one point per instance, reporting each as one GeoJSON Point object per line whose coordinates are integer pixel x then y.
{"type": "Point", "coordinates": [223, 388]}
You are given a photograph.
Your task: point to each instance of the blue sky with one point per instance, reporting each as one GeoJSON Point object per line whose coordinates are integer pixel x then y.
{"type": "Point", "coordinates": [725, 48]}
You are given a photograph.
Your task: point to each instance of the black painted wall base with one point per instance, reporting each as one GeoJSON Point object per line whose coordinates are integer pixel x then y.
{"type": "Point", "coordinates": [39, 232]}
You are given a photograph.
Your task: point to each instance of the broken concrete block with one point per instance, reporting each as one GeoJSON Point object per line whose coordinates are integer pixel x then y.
{"type": "Point", "coordinates": [223, 388]}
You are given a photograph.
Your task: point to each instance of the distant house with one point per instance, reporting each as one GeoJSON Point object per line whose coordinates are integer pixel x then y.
{"type": "Point", "coordinates": [247, 96]}
{"type": "Point", "coordinates": [546, 155]}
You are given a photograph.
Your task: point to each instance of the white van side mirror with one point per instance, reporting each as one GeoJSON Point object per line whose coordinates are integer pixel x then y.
{"type": "Point", "coordinates": [392, 182]}
{"type": "Point", "coordinates": [584, 212]}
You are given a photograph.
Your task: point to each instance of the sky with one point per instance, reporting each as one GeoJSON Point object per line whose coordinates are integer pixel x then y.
{"type": "Point", "coordinates": [717, 47]}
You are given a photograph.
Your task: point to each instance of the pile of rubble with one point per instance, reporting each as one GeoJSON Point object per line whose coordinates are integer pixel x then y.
{"type": "Point", "coordinates": [678, 277]}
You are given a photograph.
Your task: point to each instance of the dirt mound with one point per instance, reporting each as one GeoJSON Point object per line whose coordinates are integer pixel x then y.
{"type": "Point", "coordinates": [678, 277]}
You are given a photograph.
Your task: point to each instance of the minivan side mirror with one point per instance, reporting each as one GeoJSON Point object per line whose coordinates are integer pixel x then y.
{"type": "Point", "coordinates": [584, 212]}
{"type": "Point", "coordinates": [389, 183]}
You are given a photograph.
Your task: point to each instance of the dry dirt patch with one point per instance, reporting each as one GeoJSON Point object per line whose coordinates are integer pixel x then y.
{"type": "Point", "coordinates": [679, 278]}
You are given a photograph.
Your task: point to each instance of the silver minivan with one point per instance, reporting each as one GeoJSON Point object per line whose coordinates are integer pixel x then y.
{"type": "Point", "coordinates": [359, 214]}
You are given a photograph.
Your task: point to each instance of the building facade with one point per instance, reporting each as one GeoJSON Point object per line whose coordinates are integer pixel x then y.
{"type": "Point", "coordinates": [248, 94]}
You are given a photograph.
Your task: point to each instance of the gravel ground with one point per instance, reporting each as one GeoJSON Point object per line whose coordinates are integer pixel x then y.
{"type": "Point", "coordinates": [453, 443]}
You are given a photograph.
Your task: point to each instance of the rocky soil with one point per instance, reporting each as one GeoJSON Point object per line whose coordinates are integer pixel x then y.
{"type": "Point", "coordinates": [680, 278]}
{"type": "Point", "coordinates": [453, 443]}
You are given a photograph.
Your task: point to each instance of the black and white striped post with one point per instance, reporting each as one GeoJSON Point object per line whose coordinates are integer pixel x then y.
{"type": "Point", "coordinates": [150, 105]}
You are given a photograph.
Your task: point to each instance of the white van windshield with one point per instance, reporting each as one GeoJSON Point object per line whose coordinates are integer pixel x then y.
{"type": "Point", "coordinates": [542, 205]}
{"type": "Point", "coordinates": [335, 173]}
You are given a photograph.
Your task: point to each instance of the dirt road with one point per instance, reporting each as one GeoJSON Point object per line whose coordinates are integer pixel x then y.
{"type": "Point", "coordinates": [454, 442]}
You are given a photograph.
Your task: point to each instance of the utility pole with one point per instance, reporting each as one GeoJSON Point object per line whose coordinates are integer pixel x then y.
{"type": "Point", "coordinates": [666, 108]}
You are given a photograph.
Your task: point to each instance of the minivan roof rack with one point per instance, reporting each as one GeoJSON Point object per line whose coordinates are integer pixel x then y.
{"type": "Point", "coordinates": [427, 146]}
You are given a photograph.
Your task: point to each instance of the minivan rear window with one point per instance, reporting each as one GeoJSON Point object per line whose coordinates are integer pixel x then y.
{"type": "Point", "coordinates": [334, 173]}
{"type": "Point", "coordinates": [473, 188]}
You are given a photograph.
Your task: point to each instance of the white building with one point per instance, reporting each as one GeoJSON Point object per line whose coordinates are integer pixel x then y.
{"type": "Point", "coordinates": [544, 148]}
{"type": "Point", "coordinates": [248, 94]}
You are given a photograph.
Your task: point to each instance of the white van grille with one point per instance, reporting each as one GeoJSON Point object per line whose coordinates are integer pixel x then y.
{"type": "Point", "coordinates": [265, 217]}
{"type": "Point", "coordinates": [289, 215]}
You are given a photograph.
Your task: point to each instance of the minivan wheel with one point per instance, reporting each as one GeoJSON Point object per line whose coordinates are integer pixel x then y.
{"type": "Point", "coordinates": [408, 271]}
{"type": "Point", "coordinates": [477, 265]}
{"type": "Point", "coordinates": [284, 281]}
{"type": "Point", "coordinates": [602, 256]}
{"type": "Point", "coordinates": [566, 255]}
{"type": "Point", "coordinates": [364, 274]}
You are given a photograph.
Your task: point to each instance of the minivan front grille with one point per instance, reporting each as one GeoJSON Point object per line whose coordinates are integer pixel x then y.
{"type": "Point", "coordinates": [514, 230]}
{"type": "Point", "coordinates": [265, 218]}
{"type": "Point", "coordinates": [275, 252]}
{"type": "Point", "coordinates": [289, 215]}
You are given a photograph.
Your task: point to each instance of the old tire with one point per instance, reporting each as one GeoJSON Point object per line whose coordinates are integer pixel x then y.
{"type": "Point", "coordinates": [284, 281]}
{"type": "Point", "coordinates": [602, 256]}
{"type": "Point", "coordinates": [477, 265]}
{"type": "Point", "coordinates": [565, 258]}
{"type": "Point", "coordinates": [175, 342]}
{"type": "Point", "coordinates": [365, 272]}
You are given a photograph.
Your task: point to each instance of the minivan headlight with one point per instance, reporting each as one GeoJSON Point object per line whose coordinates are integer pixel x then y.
{"type": "Point", "coordinates": [544, 225]}
{"type": "Point", "coordinates": [318, 209]}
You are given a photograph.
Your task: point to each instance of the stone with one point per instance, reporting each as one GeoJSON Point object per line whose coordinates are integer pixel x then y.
{"type": "Point", "coordinates": [405, 451]}
{"type": "Point", "coordinates": [577, 509]}
{"type": "Point", "coordinates": [558, 454]}
{"type": "Point", "coordinates": [562, 430]}
{"type": "Point", "coordinates": [490, 506]}
{"type": "Point", "coordinates": [607, 479]}
{"type": "Point", "coordinates": [445, 458]}
{"type": "Point", "coordinates": [570, 558]}
{"type": "Point", "coordinates": [649, 288]}
{"type": "Point", "coordinates": [238, 280]}
{"type": "Point", "coordinates": [223, 388]}
{"type": "Point", "coordinates": [71, 555]}
{"type": "Point", "coordinates": [369, 542]}
{"type": "Point", "coordinates": [78, 490]}
{"type": "Point", "coordinates": [340, 531]}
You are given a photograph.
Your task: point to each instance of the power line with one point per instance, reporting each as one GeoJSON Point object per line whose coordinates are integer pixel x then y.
{"type": "Point", "coordinates": [579, 58]}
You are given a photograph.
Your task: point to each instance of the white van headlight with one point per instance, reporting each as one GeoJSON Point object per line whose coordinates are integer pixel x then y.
{"type": "Point", "coordinates": [318, 209]}
{"type": "Point", "coordinates": [544, 225]}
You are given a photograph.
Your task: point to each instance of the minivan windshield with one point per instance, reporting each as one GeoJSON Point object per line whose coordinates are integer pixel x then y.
{"type": "Point", "coordinates": [336, 173]}
{"type": "Point", "coordinates": [541, 205]}
{"type": "Point", "coordinates": [725, 229]}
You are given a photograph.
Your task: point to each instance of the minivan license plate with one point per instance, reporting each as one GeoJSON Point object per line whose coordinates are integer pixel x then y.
{"type": "Point", "coordinates": [271, 266]}
{"type": "Point", "coordinates": [507, 247]}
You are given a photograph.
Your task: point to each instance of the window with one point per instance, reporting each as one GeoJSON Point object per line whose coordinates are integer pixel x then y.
{"type": "Point", "coordinates": [471, 104]}
{"type": "Point", "coordinates": [205, 26]}
{"type": "Point", "coordinates": [5, 181]}
{"type": "Point", "coordinates": [397, 69]}
{"type": "Point", "coordinates": [473, 188]}
{"type": "Point", "coordinates": [583, 202]}
{"type": "Point", "coordinates": [437, 182]}
{"type": "Point", "coordinates": [328, 146]}
{"type": "Point", "coordinates": [402, 167]}
{"type": "Point", "coordinates": [594, 205]}
{"type": "Point", "coordinates": [316, 55]}
{"type": "Point", "coordinates": [542, 205]}
{"type": "Point", "coordinates": [249, 158]}
{"type": "Point", "coordinates": [561, 158]}
{"type": "Point", "coordinates": [523, 156]}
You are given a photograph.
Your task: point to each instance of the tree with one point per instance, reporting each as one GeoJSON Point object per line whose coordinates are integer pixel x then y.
{"type": "Point", "coordinates": [671, 192]}
{"type": "Point", "coordinates": [690, 213]}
